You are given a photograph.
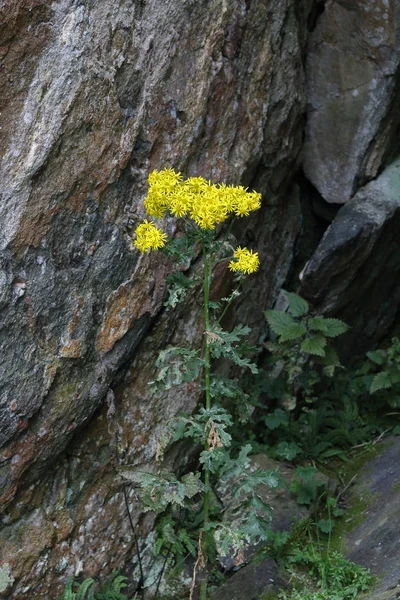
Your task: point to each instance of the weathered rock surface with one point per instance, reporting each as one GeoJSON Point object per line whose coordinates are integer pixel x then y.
{"type": "Point", "coordinates": [353, 87]}
{"type": "Point", "coordinates": [355, 271]}
{"type": "Point", "coordinates": [254, 581]}
{"type": "Point", "coordinates": [94, 96]}
{"type": "Point", "coordinates": [375, 542]}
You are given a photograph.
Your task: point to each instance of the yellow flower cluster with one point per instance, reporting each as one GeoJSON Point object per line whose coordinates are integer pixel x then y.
{"type": "Point", "coordinates": [149, 237]}
{"type": "Point", "coordinates": [246, 261]}
{"type": "Point", "coordinates": [205, 203]}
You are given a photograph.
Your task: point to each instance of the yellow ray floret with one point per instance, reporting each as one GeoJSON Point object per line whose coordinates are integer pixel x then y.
{"type": "Point", "coordinates": [149, 237]}
{"type": "Point", "coordinates": [245, 261]}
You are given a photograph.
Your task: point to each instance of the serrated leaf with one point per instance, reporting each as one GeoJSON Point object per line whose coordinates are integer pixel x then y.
{"type": "Point", "coordinates": [293, 332]}
{"type": "Point", "coordinates": [314, 345]}
{"type": "Point", "coordinates": [335, 327]}
{"type": "Point", "coordinates": [381, 381]}
{"type": "Point", "coordinates": [297, 305]}
{"type": "Point", "coordinates": [279, 321]}
{"type": "Point", "coordinates": [318, 324]}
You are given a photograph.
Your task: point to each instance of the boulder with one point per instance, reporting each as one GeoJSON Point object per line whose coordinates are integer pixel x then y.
{"type": "Point", "coordinates": [354, 272]}
{"type": "Point", "coordinates": [353, 94]}
{"type": "Point", "coordinates": [253, 582]}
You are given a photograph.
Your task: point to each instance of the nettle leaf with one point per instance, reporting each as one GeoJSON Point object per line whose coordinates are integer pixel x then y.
{"type": "Point", "coordinates": [314, 345]}
{"type": "Point", "coordinates": [381, 381]}
{"type": "Point", "coordinates": [318, 324]}
{"type": "Point", "coordinates": [377, 356]}
{"type": "Point", "coordinates": [293, 332]}
{"type": "Point", "coordinates": [335, 327]}
{"type": "Point", "coordinates": [297, 305]}
{"type": "Point", "coordinates": [279, 321]}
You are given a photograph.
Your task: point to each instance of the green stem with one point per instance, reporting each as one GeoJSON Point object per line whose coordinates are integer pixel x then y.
{"type": "Point", "coordinates": [207, 379]}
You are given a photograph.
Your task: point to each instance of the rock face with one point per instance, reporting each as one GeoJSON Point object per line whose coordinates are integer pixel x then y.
{"type": "Point", "coordinates": [353, 92]}
{"type": "Point", "coordinates": [375, 542]}
{"type": "Point", "coordinates": [94, 96]}
{"type": "Point", "coordinates": [357, 263]}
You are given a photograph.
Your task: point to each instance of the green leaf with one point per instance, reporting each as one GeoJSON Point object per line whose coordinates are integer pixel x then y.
{"type": "Point", "coordinates": [288, 450]}
{"type": "Point", "coordinates": [377, 356]}
{"type": "Point", "coordinates": [335, 327]}
{"type": "Point", "coordinates": [396, 430]}
{"type": "Point", "coordinates": [279, 321]}
{"type": "Point", "coordinates": [305, 473]}
{"type": "Point", "coordinates": [297, 305]}
{"type": "Point", "coordinates": [192, 484]}
{"type": "Point", "coordinates": [325, 525]}
{"type": "Point", "coordinates": [318, 324]}
{"type": "Point", "coordinates": [229, 345]}
{"type": "Point", "coordinates": [85, 591]}
{"type": "Point", "coordinates": [276, 419]}
{"type": "Point", "coordinates": [380, 381]}
{"type": "Point", "coordinates": [293, 332]}
{"type": "Point", "coordinates": [179, 285]}
{"type": "Point", "coordinates": [314, 345]}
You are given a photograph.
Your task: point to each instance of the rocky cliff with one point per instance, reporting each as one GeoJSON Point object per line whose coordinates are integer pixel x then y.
{"type": "Point", "coordinates": [94, 96]}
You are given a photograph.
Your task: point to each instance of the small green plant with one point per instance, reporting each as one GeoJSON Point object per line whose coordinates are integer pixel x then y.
{"type": "Point", "coordinates": [332, 577]}
{"type": "Point", "coordinates": [302, 345]}
{"type": "Point", "coordinates": [201, 209]}
{"type": "Point", "coordinates": [76, 591]}
{"type": "Point", "coordinates": [111, 590]}
{"type": "Point", "coordinates": [379, 373]}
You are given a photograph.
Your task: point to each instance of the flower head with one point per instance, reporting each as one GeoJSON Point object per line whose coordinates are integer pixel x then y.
{"type": "Point", "coordinates": [205, 203]}
{"type": "Point", "coordinates": [149, 237]}
{"type": "Point", "coordinates": [245, 261]}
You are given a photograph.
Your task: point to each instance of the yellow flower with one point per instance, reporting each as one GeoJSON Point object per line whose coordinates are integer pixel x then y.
{"type": "Point", "coordinates": [149, 237]}
{"type": "Point", "coordinates": [180, 202]}
{"type": "Point", "coordinates": [207, 204]}
{"type": "Point", "coordinates": [156, 203]}
{"type": "Point", "coordinates": [245, 202]}
{"type": "Point", "coordinates": [246, 261]}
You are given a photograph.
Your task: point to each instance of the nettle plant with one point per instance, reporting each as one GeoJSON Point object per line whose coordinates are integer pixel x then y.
{"type": "Point", "coordinates": [202, 208]}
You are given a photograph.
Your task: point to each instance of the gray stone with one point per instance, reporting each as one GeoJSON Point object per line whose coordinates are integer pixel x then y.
{"type": "Point", "coordinates": [353, 95]}
{"type": "Point", "coordinates": [375, 542]}
{"type": "Point", "coordinates": [256, 580]}
{"type": "Point", "coordinates": [355, 271]}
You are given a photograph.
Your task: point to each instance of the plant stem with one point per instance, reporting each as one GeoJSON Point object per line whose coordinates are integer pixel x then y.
{"type": "Point", "coordinates": [206, 500]}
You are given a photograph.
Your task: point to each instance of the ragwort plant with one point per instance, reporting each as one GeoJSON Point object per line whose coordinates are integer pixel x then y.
{"type": "Point", "coordinates": [202, 208]}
